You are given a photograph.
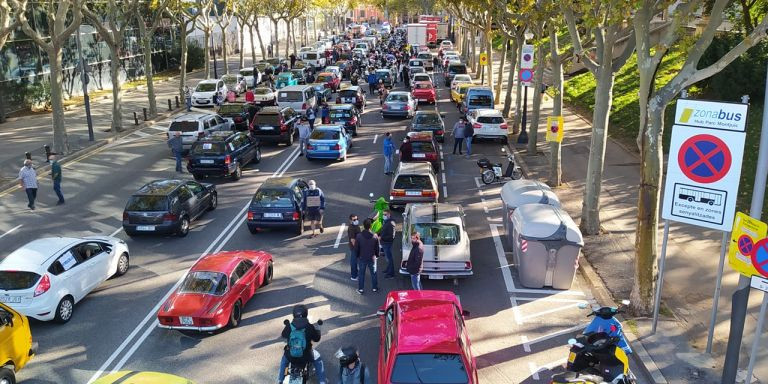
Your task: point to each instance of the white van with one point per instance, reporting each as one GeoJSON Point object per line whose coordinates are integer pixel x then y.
{"type": "Point", "coordinates": [299, 97]}
{"type": "Point", "coordinates": [316, 58]}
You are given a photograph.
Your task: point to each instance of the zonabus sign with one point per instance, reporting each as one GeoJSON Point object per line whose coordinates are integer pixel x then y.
{"type": "Point", "coordinates": [717, 115]}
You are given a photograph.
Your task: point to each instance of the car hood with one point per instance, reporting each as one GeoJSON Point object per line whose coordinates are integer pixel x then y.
{"type": "Point", "coordinates": [190, 304]}
{"type": "Point", "coordinates": [427, 126]}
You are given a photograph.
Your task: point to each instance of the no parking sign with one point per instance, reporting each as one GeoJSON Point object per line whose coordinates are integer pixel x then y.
{"type": "Point", "coordinates": [746, 232]}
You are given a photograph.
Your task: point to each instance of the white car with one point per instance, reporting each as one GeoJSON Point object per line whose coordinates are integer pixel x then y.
{"type": "Point", "coordinates": [252, 76]}
{"type": "Point", "coordinates": [452, 53]}
{"type": "Point", "coordinates": [358, 52]}
{"type": "Point", "coordinates": [422, 77]}
{"type": "Point", "coordinates": [488, 124]}
{"type": "Point", "coordinates": [333, 69]}
{"type": "Point", "coordinates": [413, 71]}
{"type": "Point", "coordinates": [446, 44]}
{"type": "Point", "coordinates": [206, 90]}
{"type": "Point", "coordinates": [235, 83]}
{"type": "Point", "coordinates": [45, 278]}
{"type": "Point", "coordinates": [264, 96]}
{"type": "Point", "coordinates": [449, 58]}
{"type": "Point", "coordinates": [460, 79]}
{"type": "Point", "coordinates": [307, 49]}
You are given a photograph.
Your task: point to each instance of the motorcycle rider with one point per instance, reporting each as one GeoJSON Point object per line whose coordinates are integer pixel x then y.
{"type": "Point", "coordinates": [292, 333]}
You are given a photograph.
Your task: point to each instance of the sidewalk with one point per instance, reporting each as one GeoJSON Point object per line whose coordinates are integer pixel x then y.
{"type": "Point", "coordinates": [679, 345]}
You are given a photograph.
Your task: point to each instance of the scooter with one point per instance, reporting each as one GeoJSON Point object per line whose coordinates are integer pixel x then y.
{"type": "Point", "coordinates": [491, 172]}
{"type": "Point", "coordinates": [301, 373]}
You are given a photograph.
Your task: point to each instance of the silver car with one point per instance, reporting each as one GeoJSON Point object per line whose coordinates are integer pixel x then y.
{"type": "Point", "coordinates": [399, 104]}
{"type": "Point", "coordinates": [443, 231]}
{"type": "Point", "coordinates": [414, 182]}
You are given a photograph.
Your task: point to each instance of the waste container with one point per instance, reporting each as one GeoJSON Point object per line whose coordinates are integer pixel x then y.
{"type": "Point", "coordinates": [518, 192]}
{"type": "Point", "coordinates": [546, 246]}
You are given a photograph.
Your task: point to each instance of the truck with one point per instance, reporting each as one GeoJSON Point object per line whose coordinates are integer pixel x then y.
{"type": "Point", "coordinates": [417, 34]}
{"type": "Point", "coordinates": [442, 32]}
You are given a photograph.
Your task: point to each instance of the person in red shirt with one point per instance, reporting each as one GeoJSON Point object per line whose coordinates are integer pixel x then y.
{"type": "Point", "coordinates": [249, 96]}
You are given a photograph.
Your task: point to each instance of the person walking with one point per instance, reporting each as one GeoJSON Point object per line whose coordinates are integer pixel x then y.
{"type": "Point", "coordinates": [293, 60]}
{"type": "Point", "coordinates": [304, 132]}
{"type": "Point", "coordinates": [389, 152]}
{"type": "Point", "coordinates": [269, 48]}
{"type": "Point", "coordinates": [28, 180]}
{"type": "Point", "coordinates": [56, 177]}
{"type": "Point", "coordinates": [367, 246]}
{"type": "Point", "coordinates": [325, 113]}
{"type": "Point", "coordinates": [177, 147]}
{"type": "Point", "coordinates": [406, 150]}
{"type": "Point", "coordinates": [352, 231]}
{"type": "Point", "coordinates": [311, 118]}
{"type": "Point", "coordinates": [371, 82]}
{"type": "Point", "coordinates": [458, 134]}
{"type": "Point", "coordinates": [406, 78]}
{"type": "Point", "coordinates": [388, 231]}
{"type": "Point", "coordinates": [415, 263]}
{"type": "Point", "coordinates": [469, 132]}
{"type": "Point", "coordinates": [188, 98]}
{"type": "Point", "coordinates": [313, 205]}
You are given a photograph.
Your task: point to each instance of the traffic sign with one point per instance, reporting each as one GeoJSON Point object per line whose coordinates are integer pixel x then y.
{"type": "Point", "coordinates": [554, 128]}
{"type": "Point", "coordinates": [483, 59]}
{"type": "Point", "coordinates": [759, 283]}
{"type": "Point", "coordinates": [526, 57]}
{"type": "Point", "coordinates": [525, 75]}
{"type": "Point", "coordinates": [746, 232]}
{"type": "Point", "coordinates": [760, 257]}
{"type": "Point", "coordinates": [708, 143]}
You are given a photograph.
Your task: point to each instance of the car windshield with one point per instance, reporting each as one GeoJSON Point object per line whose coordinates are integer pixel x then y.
{"type": "Point", "coordinates": [207, 283]}
{"type": "Point", "coordinates": [147, 203]}
{"type": "Point", "coordinates": [490, 119]}
{"type": "Point", "coordinates": [184, 126]}
{"type": "Point", "coordinates": [341, 114]}
{"type": "Point", "coordinates": [272, 198]}
{"type": "Point", "coordinates": [460, 78]}
{"type": "Point", "coordinates": [413, 182]}
{"type": "Point", "coordinates": [457, 69]}
{"type": "Point", "coordinates": [231, 108]}
{"type": "Point", "coordinates": [426, 118]}
{"type": "Point", "coordinates": [290, 96]}
{"type": "Point", "coordinates": [423, 86]}
{"type": "Point", "coordinates": [246, 72]}
{"type": "Point", "coordinates": [310, 56]}
{"type": "Point", "coordinates": [206, 87]}
{"type": "Point", "coordinates": [207, 149]}
{"type": "Point", "coordinates": [325, 134]}
{"type": "Point", "coordinates": [268, 119]}
{"type": "Point", "coordinates": [397, 98]}
{"type": "Point", "coordinates": [427, 56]}
{"type": "Point", "coordinates": [16, 280]}
{"type": "Point", "coordinates": [429, 368]}
{"type": "Point", "coordinates": [262, 91]}
{"type": "Point", "coordinates": [481, 100]}
{"type": "Point", "coordinates": [383, 75]}
{"type": "Point", "coordinates": [437, 233]}
{"type": "Point", "coordinates": [229, 79]}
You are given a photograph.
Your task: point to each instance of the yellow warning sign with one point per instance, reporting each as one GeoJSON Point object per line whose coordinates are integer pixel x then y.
{"type": "Point", "coordinates": [555, 128]}
{"type": "Point", "coordinates": [747, 231]}
{"type": "Point", "coordinates": [483, 59]}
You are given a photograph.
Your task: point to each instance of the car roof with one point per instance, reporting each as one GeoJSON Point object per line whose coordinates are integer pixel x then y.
{"type": "Point", "coordinates": [208, 81]}
{"type": "Point", "coordinates": [246, 69]}
{"type": "Point", "coordinates": [218, 262]}
{"type": "Point", "coordinates": [350, 88]}
{"type": "Point", "coordinates": [481, 88]}
{"type": "Point", "coordinates": [487, 112]}
{"type": "Point", "coordinates": [402, 93]}
{"type": "Point", "coordinates": [295, 88]}
{"type": "Point", "coordinates": [279, 182]}
{"type": "Point", "coordinates": [35, 253]}
{"type": "Point", "coordinates": [421, 136]}
{"type": "Point", "coordinates": [217, 136]}
{"type": "Point", "coordinates": [414, 167]}
{"type": "Point", "coordinates": [159, 187]}
{"type": "Point", "coordinates": [325, 73]}
{"type": "Point", "coordinates": [427, 321]}
{"type": "Point", "coordinates": [428, 112]}
{"type": "Point", "coordinates": [428, 213]}
{"type": "Point", "coordinates": [270, 110]}
{"type": "Point", "coordinates": [192, 116]}
{"type": "Point", "coordinates": [329, 127]}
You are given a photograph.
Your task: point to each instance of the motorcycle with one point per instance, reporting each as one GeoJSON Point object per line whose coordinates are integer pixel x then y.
{"type": "Point", "coordinates": [301, 373]}
{"type": "Point", "coordinates": [491, 172]}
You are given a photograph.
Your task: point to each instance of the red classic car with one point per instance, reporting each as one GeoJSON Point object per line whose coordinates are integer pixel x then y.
{"type": "Point", "coordinates": [330, 79]}
{"type": "Point", "coordinates": [423, 339]}
{"type": "Point", "coordinates": [215, 290]}
{"type": "Point", "coordinates": [424, 91]}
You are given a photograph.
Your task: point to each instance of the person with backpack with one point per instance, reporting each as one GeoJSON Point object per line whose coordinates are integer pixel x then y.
{"type": "Point", "coordinates": [351, 369]}
{"type": "Point", "coordinates": [300, 335]}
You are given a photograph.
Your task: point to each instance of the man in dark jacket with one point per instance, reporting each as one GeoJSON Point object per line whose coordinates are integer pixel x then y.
{"type": "Point", "coordinates": [367, 246]}
{"type": "Point", "coordinates": [388, 229]}
{"type": "Point", "coordinates": [415, 263]}
{"type": "Point", "coordinates": [293, 60]}
{"type": "Point", "coordinates": [352, 231]}
{"type": "Point", "coordinates": [406, 150]}
{"type": "Point", "coordinates": [311, 334]}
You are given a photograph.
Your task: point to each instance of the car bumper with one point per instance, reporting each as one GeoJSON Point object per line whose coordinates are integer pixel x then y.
{"type": "Point", "coordinates": [402, 201]}
{"type": "Point", "coordinates": [253, 224]}
{"type": "Point", "coordinates": [429, 99]}
{"type": "Point", "coordinates": [202, 103]}
{"type": "Point", "coordinates": [191, 328]}
{"type": "Point", "coordinates": [216, 172]}
{"type": "Point", "coordinates": [272, 138]}
{"type": "Point", "coordinates": [325, 154]}
{"type": "Point", "coordinates": [443, 274]}
{"type": "Point", "coordinates": [157, 228]}
{"type": "Point", "coordinates": [395, 113]}
{"type": "Point", "coordinates": [264, 102]}
{"type": "Point", "coordinates": [42, 309]}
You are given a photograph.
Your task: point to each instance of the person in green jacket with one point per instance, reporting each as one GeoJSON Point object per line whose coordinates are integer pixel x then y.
{"type": "Point", "coordinates": [56, 176]}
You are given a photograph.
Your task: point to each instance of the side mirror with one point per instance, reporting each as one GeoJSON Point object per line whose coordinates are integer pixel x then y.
{"type": "Point", "coordinates": [380, 312]}
{"type": "Point", "coordinates": [503, 150]}
{"type": "Point", "coordinates": [464, 313]}
{"type": "Point", "coordinates": [370, 195]}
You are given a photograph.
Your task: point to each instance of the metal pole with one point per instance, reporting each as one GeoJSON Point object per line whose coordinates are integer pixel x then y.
{"type": "Point", "coordinates": [213, 51]}
{"type": "Point", "coordinates": [756, 342]}
{"type": "Point", "coordinates": [84, 81]}
{"type": "Point", "coordinates": [523, 137]}
{"type": "Point", "coordinates": [660, 282]}
{"type": "Point", "coordinates": [718, 286]}
{"type": "Point", "coordinates": [739, 307]}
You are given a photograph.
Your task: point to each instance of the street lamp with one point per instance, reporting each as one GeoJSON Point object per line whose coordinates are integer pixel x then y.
{"type": "Point", "coordinates": [523, 137]}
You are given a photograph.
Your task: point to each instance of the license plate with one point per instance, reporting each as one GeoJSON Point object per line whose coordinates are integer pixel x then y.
{"type": "Point", "coordinates": [413, 193]}
{"type": "Point", "coordinates": [323, 147]}
{"type": "Point", "coordinates": [419, 155]}
{"type": "Point", "coordinates": [10, 299]}
{"type": "Point", "coordinates": [349, 100]}
{"type": "Point", "coordinates": [145, 227]}
{"type": "Point", "coordinates": [571, 357]}
{"type": "Point", "coordinates": [435, 277]}
{"type": "Point", "coordinates": [273, 215]}
{"type": "Point", "coordinates": [206, 161]}
{"type": "Point", "coordinates": [267, 128]}
{"type": "Point", "coordinates": [397, 107]}
{"type": "Point", "coordinates": [186, 320]}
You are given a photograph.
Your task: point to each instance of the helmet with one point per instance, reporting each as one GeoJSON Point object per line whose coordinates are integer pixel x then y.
{"type": "Point", "coordinates": [300, 311]}
{"type": "Point", "coordinates": [347, 355]}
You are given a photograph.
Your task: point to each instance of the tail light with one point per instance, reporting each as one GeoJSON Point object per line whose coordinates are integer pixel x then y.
{"type": "Point", "coordinates": [238, 119]}
{"type": "Point", "coordinates": [304, 106]}
{"type": "Point", "coordinates": [283, 127]}
{"type": "Point", "coordinates": [227, 159]}
{"type": "Point", "coordinates": [503, 126]}
{"type": "Point", "coordinates": [428, 193]}
{"type": "Point", "coordinates": [477, 125]}
{"type": "Point", "coordinates": [397, 192]}
{"type": "Point", "coordinates": [439, 132]}
{"type": "Point", "coordinates": [250, 215]}
{"type": "Point", "coordinates": [468, 265]}
{"type": "Point", "coordinates": [336, 147]}
{"type": "Point", "coordinates": [407, 107]}
{"type": "Point", "coordinates": [338, 100]}
{"type": "Point", "coordinates": [310, 146]}
{"type": "Point", "coordinates": [295, 216]}
{"type": "Point", "coordinates": [125, 216]}
{"type": "Point", "coordinates": [43, 286]}
{"type": "Point", "coordinates": [170, 217]}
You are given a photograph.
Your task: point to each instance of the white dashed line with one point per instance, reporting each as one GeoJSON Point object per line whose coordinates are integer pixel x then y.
{"type": "Point", "coordinates": [551, 336]}
{"type": "Point", "coordinates": [505, 272]}
{"type": "Point", "coordinates": [376, 136]}
{"type": "Point", "coordinates": [113, 234]}
{"type": "Point", "coordinates": [443, 176]}
{"type": "Point", "coordinates": [362, 174]}
{"type": "Point", "coordinates": [338, 237]}
{"type": "Point", "coordinates": [10, 231]}
{"type": "Point", "coordinates": [445, 192]}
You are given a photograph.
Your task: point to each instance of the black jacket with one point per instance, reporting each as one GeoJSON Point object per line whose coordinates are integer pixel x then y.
{"type": "Point", "coordinates": [367, 246]}
{"type": "Point", "coordinates": [388, 231]}
{"type": "Point", "coordinates": [312, 334]}
{"type": "Point", "coordinates": [414, 265]}
{"type": "Point", "coordinates": [352, 232]}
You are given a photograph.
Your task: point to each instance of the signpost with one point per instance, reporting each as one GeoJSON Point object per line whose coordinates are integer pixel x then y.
{"type": "Point", "coordinates": [526, 71]}
{"type": "Point", "coordinates": [483, 59]}
{"type": "Point", "coordinates": [526, 58]}
{"type": "Point", "coordinates": [746, 232]}
{"type": "Point", "coordinates": [555, 128]}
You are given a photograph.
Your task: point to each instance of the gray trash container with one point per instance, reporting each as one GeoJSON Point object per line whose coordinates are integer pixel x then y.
{"type": "Point", "coordinates": [518, 192]}
{"type": "Point", "coordinates": [546, 246]}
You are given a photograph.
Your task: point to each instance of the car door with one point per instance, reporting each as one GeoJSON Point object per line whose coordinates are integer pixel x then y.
{"type": "Point", "coordinates": [97, 260]}
{"type": "Point", "coordinates": [242, 288]}
{"type": "Point", "coordinates": [199, 198]}
{"type": "Point", "coordinates": [72, 273]}
{"type": "Point", "coordinates": [188, 202]}
{"type": "Point", "coordinates": [389, 343]}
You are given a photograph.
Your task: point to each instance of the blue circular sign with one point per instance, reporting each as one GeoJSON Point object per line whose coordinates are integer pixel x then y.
{"type": "Point", "coordinates": [760, 257]}
{"type": "Point", "coordinates": [526, 75]}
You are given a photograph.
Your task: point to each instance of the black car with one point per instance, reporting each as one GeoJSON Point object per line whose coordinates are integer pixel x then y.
{"type": "Point", "coordinates": [454, 69]}
{"type": "Point", "coordinates": [429, 120]}
{"type": "Point", "coordinates": [275, 124]}
{"type": "Point", "coordinates": [346, 114]}
{"type": "Point", "coordinates": [223, 154]}
{"type": "Point", "coordinates": [240, 114]}
{"type": "Point", "coordinates": [352, 95]}
{"type": "Point", "coordinates": [167, 207]}
{"type": "Point", "coordinates": [277, 204]}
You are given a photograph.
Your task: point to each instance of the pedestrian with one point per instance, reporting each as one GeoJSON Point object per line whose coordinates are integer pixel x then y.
{"type": "Point", "coordinates": [218, 99]}
{"type": "Point", "coordinates": [249, 96]}
{"type": "Point", "coordinates": [313, 205]}
{"type": "Point", "coordinates": [177, 147]}
{"type": "Point", "coordinates": [311, 117]}
{"type": "Point", "coordinates": [406, 150]}
{"type": "Point", "coordinates": [389, 151]}
{"type": "Point", "coordinates": [458, 134]}
{"type": "Point", "coordinates": [371, 82]}
{"type": "Point", "coordinates": [352, 370]}
{"type": "Point", "coordinates": [28, 180]}
{"type": "Point", "coordinates": [325, 113]}
{"type": "Point", "coordinates": [367, 246]}
{"type": "Point", "coordinates": [293, 60]}
{"type": "Point", "coordinates": [469, 132]}
{"type": "Point", "coordinates": [231, 96]}
{"type": "Point", "coordinates": [269, 48]}
{"type": "Point", "coordinates": [388, 231]}
{"type": "Point", "coordinates": [415, 263]}
{"type": "Point", "coordinates": [56, 177]}
{"type": "Point", "coordinates": [406, 78]}
{"type": "Point", "coordinates": [352, 231]}
{"type": "Point", "coordinates": [188, 98]}
{"type": "Point", "coordinates": [304, 132]}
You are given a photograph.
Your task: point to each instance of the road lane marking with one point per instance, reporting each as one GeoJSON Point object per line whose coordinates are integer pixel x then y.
{"type": "Point", "coordinates": [549, 366]}
{"type": "Point", "coordinates": [338, 237]}
{"type": "Point", "coordinates": [551, 336]}
{"type": "Point", "coordinates": [505, 272]}
{"type": "Point", "coordinates": [443, 176]}
{"type": "Point", "coordinates": [546, 291]}
{"type": "Point", "coordinates": [534, 370]}
{"type": "Point", "coordinates": [445, 192]}
{"type": "Point", "coordinates": [493, 219]}
{"type": "Point", "coordinates": [116, 232]}
{"type": "Point", "coordinates": [477, 182]}
{"type": "Point", "coordinates": [376, 136]}
{"type": "Point", "coordinates": [362, 174]}
{"type": "Point", "coordinates": [442, 164]}
{"type": "Point", "coordinates": [11, 231]}
{"type": "Point", "coordinates": [553, 310]}
{"type": "Point", "coordinates": [287, 162]}
{"type": "Point", "coordinates": [552, 300]}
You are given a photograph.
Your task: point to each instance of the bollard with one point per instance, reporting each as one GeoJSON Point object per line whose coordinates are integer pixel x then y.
{"type": "Point", "coordinates": [28, 155]}
{"type": "Point", "coordinates": [170, 108]}
{"type": "Point", "coordinates": [47, 149]}
{"type": "Point", "coordinates": [177, 102]}
{"type": "Point", "coordinates": [145, 114]}
{"type": "Point", "coordinates": [135, 118]}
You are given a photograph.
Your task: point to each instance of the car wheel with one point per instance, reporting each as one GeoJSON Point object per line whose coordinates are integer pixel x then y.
{"type": "Point", "coordinates": [7, 376]}
{"type": "Point", "coordinates": [253, 230]}
{"type": "Point", "coordinates": [183, 227]}
{"type": "Point", "coordinates": [235, 315]}
{"type": "Point", "coordinates": [289, 141]}
{"type": "Point", "coordinates": [268, 275]}
{"type": "Point", "coordinates": [214, 202]}
{"type": "Point", "coordinates": [64, 309]}
{"type": "Point", "coordinates": [257, 158]}
{"type": "Point", "coordinates": [123, 263]}
{"type": "Point", "coordinates": [237, 174]}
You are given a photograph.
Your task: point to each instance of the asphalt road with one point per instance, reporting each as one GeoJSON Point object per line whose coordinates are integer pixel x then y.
{"type": "Point", "coordinates": [518, 335]}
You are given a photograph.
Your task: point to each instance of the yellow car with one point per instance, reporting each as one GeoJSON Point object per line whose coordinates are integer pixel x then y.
{"type": "Point", "coordinates": [16, 346]}
{"type": "Point", "coordinates": [136, 377]}
{"type": "Point", "coordinates": [457, 95]}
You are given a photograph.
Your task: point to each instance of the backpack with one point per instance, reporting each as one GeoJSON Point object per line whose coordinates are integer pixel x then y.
{"type": "Point", "coordinates": [297, 342]}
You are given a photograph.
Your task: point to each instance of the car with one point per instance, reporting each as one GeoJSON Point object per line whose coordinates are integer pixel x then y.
{"type": "Point", "coordinates": [331, 80]}
{"type": "Point", "coordinates": [422, 48]}
{"type": "Point", "coordinates": [477, 97]}
{"type": "Point", "coordinates": [414, 182]}
{"type": "Point", "coordinates": [443, 231]}
{"type": "Point", "coordinates": [277, 204]}
{"type": "Point", "coordinates": [239, 115]}
{"type": "Point", "coordinates": [448, 58]}
{"type": "Point", "coordinates": [307, 49]}
{"type": "Point", "coordinates": [299, 97]}
{"type": "Point", "coordinates": [413, 71]}
{"type": "Point", "coordinates": [205, 90]}
{"type": "Point", "coordinates": [322, 92]}
{"type": "Point", "coordinates": [423, 339]}
{"type": "Point", "coordinates": [421, 76]}
{"type": "Point", "coordinates": [458, 94]}
{"type": "Point", "coordinates": [347, 115]}
{"type": "Point", "coordinates": [426, 58]}
{"type": "Point", "coordinates": [223, 154]}
{"type": "Point", "coordinates": [275, 124]}
{"type": "Point", "coordinates": [386, 77]}
{"type": "Point", "coordinates": [446, 45]}
{"type": "Point", "coordinates": [329, 141]}
{"type": "Point", "coordinates": [429, 121]}
{"type": "Point", "coordinates": [352, 95]}
{"type": "Point", "coordinates": [167, 206]}
{"type": "Point", "coordinates": [454, 68]}
{"type": "Point", "coordinates": [252, 76]}
{"type": "Point", "coordinates": [275, 62]}
{"type": "Point", "coordinates": [234, 83]}
{"type": "Point", "coordinates": [460, 79]}
{"type": "Point", "coordinates": [424, 148]}
{"type": "Point", "coordinates": [488, 124]}
{"type": "Point", "coordinates": [45, 278]}
{"type": "Point", "coordinates": [424, 91]}
{"type": "Point", "coordinates": [399, 103]}
{"type": "Point", "coordinates": [137, 377]}
{"type": "Point", "coordinates": [285, 79]}
{"type": "Point", "coordinates": [16, 345]}
{"type": "Point", "coordinates": [335, 69]}
{"type": "Point", "coordinates": [359, 52]}
{"type": "Point", "coordinates": [261, 66]}
{"type": "Point", "coordinates": [264, 96]}
{"type": "Point", "coordinates": [215, 290]}
{"type": "Point", "coordinates": [193, 126]}
{"type": "Point", "coordinates": [300, 74]}
{"type": "Point", "coordinates": [416, 63]}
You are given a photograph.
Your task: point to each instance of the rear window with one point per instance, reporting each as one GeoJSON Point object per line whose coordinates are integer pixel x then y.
{"type": "Point", "coordinates": [437, 233]}
{"type": "Point", "coordinates": [341, 114]}
{"type": "Point", "coordinates": [272, 119]}
{"type": "Point", "coordinates": [398, 98]}
{"type": "Point", "coordinates": [324, 134]}
{"type": "Point", "coordinates": [324, 78]}
{"type": "Point", "coordinates": [417, 70]}
{"type": "Point", "coordinates": [416, 63]}
{"type": "Point", "coordinates": [147, 203]}
{"type": "Point", "coordinates": [310, 56]}
{"type": "Point", "coordinates": [207, 149]}
{"type": "Point", "coordinates": [457, 69]}
{"type": "Point", "coordinates": [229, 79]}
{"type": "Point", "coordinates": [427, 118]}
{"type": "Point", "coordinates": [184, 126]}
{"type": "Point", "coordinates": [246, 72]}
{"type": "Point", "coordinates": [272, 198]}
{"type": "Point", "coordinates": [230, 108]}
{"type": "Point", "coordinates": [203, 282]}
{"type": "Point", "coordinates": [490, 119]}
{"type": "Point", "coordinates": [426, 56]}
{"type": "Point", "coordinates": [481, 100]}
{"type": "Point", "coordinates": [17, 280]}
{"type": "Point", "coordinates": [292, 96]}
{"type": "Point", "coordinates": [206, 87]}
{"type": "Point", "coordinates": [262, 91]}
{"type": "Point", "coordinates": [423, 86]}
{"type": "Point", "coordinates": [413, 182]}
{"type": "Point", "coordinates": [348, 93]}
{"type": "Point", "coordinates": [429, 368]}
{"type": "Point", "coordinates": [422, 147]}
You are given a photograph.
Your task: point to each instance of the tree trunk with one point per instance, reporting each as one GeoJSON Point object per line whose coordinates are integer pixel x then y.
{"type": "Point", "coordinates": [277, 39]}
{"type": "Point", "coordinates": [183, 62]}
{"type": "Point", "coordinates": [511, 79]}
{"type": "Point", "coordinates": [207, 45]}
{"type": "Point", "coordinates": [117, 98]}
{"type": "Point", "coordinates": [489, 51]}
{"type": "Point", "coordinates": [519, 92]}
{"type": "Point", "coordinates": [242, 44]}
{"type": "Point", "coordinates": [293, 34]}
{"type": "Point", "coordinates": [147, 38]}
{"type": "Point", "coordinates": [501, 71]}
{"type": "Point", "coordinates": [533, 129]}
{"type": "Point", "coordinates": [224, 50]}
{"type": "Point", "coordinates": [261, 42]}
{"type": "Point", "coordinates": [287, 39]}
{"type": "Point", "coordinates": [590, 212]}
{"type": "Point", "coordinates": [60, 139]}
{"type": "Point", "coordinates": [555, 167]}
{"type": "Point", "coordinates": [473, 51]}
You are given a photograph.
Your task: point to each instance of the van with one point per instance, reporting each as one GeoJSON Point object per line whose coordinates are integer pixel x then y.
{"type": "Point", "coordinates": [476, 98]}
{"type": "Point", "coordinates": [193, 126]}
{"type": "Point", "coordinates": [316, 58]}
{"type": "Point", "coordinates": [299, 97]}
{"type": "Point", "coordinates": [16, 346]}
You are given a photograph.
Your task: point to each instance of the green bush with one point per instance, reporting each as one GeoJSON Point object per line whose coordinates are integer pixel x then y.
{"type": "Point", "coordinates": [195, 56]}
{"type": "Point", "coordinates": [744, 76]}
{"type": "Point", "coordinates": [38, 95]}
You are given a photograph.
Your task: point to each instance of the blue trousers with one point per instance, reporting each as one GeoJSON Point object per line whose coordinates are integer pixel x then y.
{"type": "Point", "coordinates": [57, 189]}
{"type": "Point", "coordinates": [388, 163]}
{"type": "Point", "coordinates": [319, 370]}
{"type": "Point", "coordinates": [468, 140]}
{"type": "Point", "coordinates": [353, 263]}
{"type": "Point", "coordinates": [416, 282]}
{"type": "Point", "coordinates": [177, 155]}
{"type": "Point", "coordinates": [387, 247]}
{"type": "Point", "coordinates": [361, 268]}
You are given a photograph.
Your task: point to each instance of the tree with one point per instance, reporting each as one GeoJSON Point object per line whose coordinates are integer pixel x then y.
{"type": "Point", "coordinates": [242, 17]}
{"type": "Point", "coordinates": [206, 22]}
{"type": "Point", "coordinates": [64, 18]}
{"type": "Point", "coordinates": [254, 14]}
{"type": "Point", "coordinates": [149, 19]}
{"type": "Point", "coordinates": [224, 13]}
{"type": "Point", "coordinates": [8, 21]}
{"type": "Point", "coordinates": [606, 21]}
{"type": "Point", "coordinates": [185, 16]}
{"type": "Point", "coordinates": [538, 22]}
{"type": "Point", "coordinates": [653, 99]}
{"type": "Point", "coordinates": [276, 10]}
{"type": "Point", "coordinates": [555, 169]}
{"type": "Point", "coordinates": [111, 20]}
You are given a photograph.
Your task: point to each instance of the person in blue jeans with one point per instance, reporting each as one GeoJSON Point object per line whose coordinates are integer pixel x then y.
{"type": "Point", "coordinates": [367, 246]}
{"type": "Point", "coordinates": [388, 230]}
{"type": "Point", "coordinates": [352, 231]}
{"type": "Point", "coordinates": [177, 147]}
{"type": "Point", "coordinates": [389, 153]}
{"type": "Point", "coordinates": [415, 263]}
